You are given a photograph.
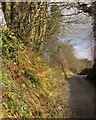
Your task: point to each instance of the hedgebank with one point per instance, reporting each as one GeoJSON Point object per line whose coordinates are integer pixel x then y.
{"type": "Point", "coordinates": [30, 88]}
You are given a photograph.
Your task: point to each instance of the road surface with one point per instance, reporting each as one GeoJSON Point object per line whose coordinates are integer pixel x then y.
{"type": "Point", "coordinates": [82, 98]}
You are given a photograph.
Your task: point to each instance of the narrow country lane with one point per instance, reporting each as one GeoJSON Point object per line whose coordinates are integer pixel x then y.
{"type": "Point", "coordinates": [82, 98]}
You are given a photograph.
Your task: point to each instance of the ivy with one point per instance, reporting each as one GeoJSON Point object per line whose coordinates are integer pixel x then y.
{"type": "Point", "coordinates": [9, 44]}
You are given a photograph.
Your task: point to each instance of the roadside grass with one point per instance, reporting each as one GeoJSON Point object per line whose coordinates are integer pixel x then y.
{"type": "Point", "coordinates": [30, 88]}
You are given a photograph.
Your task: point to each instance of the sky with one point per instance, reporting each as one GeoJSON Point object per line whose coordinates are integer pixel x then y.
{"type": "Point", "coordinates": [83, 44]}
{"type": "Point", "coordinates": [1, 15]}
{"type": "Point", "coordinates": [83, 49]}
{"type": "Point", "coordinates": [80, 37]}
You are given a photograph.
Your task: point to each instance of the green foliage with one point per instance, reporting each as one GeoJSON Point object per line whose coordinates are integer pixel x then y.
{"type": "Point", "coordinates": [10, 44]}
{"type": "Point", "coordinates": [30, 88]}
{"type": "Point", "coordinates": [74, 70]}
{"type": "Point", "coordinates": [27, 82]}
{"type": "Point", "coordinates": [28, 98]}
{"type": "Point", "coordinates": [60, 54]}
{"type": "Point", "coordinates": [1, 42]}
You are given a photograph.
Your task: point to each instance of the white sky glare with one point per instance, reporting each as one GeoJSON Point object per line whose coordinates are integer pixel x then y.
{"type": "Point", "coordinates": [85, 1]}
{"type": "Point", "coordinates": [80, 35]}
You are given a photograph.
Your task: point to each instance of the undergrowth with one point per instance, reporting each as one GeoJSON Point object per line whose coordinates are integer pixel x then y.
{"type": "Point", "coordinates": [30, 88]}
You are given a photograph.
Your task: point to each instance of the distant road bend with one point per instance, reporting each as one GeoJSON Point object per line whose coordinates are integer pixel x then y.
{"type": "Point", "coordinates": [82, 97]}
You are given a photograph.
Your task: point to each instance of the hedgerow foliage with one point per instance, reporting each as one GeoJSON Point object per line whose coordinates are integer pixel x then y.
{"type": "Point", "coordinates": [10, 44]}
{"type": "Point", "coordinates": [30, 89]}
